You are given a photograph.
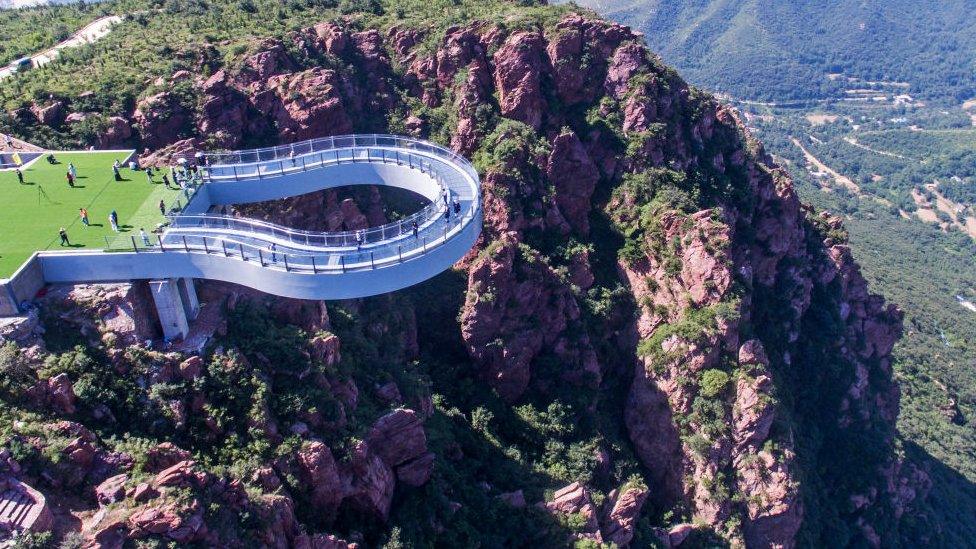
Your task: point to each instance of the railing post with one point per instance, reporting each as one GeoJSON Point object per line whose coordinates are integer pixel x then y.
{"type": "Point", "coordinates": [134, 247]}
{"type": "Point", "coordinates": [241, 248]}
{"type": "Point", "coordinates": [400, 252]}
{"type": "Point", "coordinates": [223, 245]}
{"type": "Point", "coordinates": [425, 243]}
{"type": "Point", "coordinates": [261, 257]}
{"type": "Point", "coordinates": [185, 247]}
{"type": "Point", "coordinates": [314, 269]}
{"type": "Point", "coordinates": [342, 260]}
{"type": "Point", "coordinates": [161, 247]}
{"type": "Point", "coordinates": [372, 261]}
{"type": "Point", "coordinates": [206, 250]}
{"type": "Point", "coordinates": [285, 257]}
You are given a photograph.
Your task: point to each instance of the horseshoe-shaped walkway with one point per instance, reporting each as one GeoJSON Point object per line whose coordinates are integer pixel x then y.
{"type": "Point", "coordinates": [199, 243]}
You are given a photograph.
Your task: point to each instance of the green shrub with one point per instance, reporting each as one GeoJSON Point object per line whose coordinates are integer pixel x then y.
{"type": "Point", "coordinates": [713, 383]}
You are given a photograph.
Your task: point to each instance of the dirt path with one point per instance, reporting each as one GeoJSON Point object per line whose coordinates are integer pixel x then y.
{"type": "Point", "coordinates": [838, 178]}
{"type": "Point", "coordinates": [86, 35]}
{"type": "Point", "coordinates": [855, 143]}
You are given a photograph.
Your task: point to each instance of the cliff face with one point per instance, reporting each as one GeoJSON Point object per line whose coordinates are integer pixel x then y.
{"type": "Point", "coordinates": [635, 236]}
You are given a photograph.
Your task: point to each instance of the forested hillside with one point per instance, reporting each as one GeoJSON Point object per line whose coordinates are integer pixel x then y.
{"type": "Point", "coordinates": [868, 104]}
{"type": "Point", "coordinates": [655, 342]}
{"type": "Point", "coordinates": [774, 50]}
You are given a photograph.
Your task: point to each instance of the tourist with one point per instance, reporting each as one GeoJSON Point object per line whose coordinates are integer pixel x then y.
{"type": "Point", "coordinates": [20, 176]}
{"type": "Point", "coordinates": [10, 142]}
{"type": "Point", "coordinates": [64, 237]}
{"type": "Point", "coordinates": [162, 207]}
{"type": "Point", "coordinates": [446, 196]}
{"type": "Point", "coordinates": [447, 215]}
{"type": "Point", "coordinates": [360, 239]}
{"type": "Point", "coordinates": [113, 220]}
{"type": "Point", "coordinates": [166, 180]}
{"type": "Point", "coordinates": [416, 230]}
{"type": "Point", "coordinates": [71, 179]}
{"type": "Point", "coordinates": [145, 237]}
{"type": "Point", "coordinates": [274, 252]}
{"type": "Point", "coordinates": [115, 171]}
{"type": "Point", "coordinates": [51, 159]}
{"type": "Point", "coordinates": [149, 175]}
{"type": "Point", "coordinates": [291, 156]}
{"type": "Point", "coordinates": [72, 170]}
{"type": "Point", "coordinates": [83, 213]}
{"type": "Point", "coordinates": [457, 206]}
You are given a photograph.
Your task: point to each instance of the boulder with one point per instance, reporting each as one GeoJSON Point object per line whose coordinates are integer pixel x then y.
{"type": "Point", "coordinates": [112, 489]}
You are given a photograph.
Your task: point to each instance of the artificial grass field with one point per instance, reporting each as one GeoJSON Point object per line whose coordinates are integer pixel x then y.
{"type": "Point", "coordinates": [31, 214]}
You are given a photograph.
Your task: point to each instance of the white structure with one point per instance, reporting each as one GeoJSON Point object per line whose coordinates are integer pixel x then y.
{"type": "Point", "coordinates": [287, 262]}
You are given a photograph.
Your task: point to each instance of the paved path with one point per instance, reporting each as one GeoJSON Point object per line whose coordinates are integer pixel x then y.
{"type": "Point", "coordinates": [88, 34]}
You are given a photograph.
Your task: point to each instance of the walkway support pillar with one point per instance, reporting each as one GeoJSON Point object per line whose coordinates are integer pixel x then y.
{"type": "Point", "coordinates": [188, 294]}
{"type": "Point", "coordinates": [169, 307]}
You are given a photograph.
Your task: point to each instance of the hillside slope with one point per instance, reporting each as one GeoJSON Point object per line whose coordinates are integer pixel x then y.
{"type": "Point", "coordinates": [769, 50]}
{"type": "Point", "coordinates": [654, 340]}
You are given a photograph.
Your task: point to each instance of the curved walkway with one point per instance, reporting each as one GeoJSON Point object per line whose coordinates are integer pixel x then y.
{"type": "Point", "coordinates": [304, 264]}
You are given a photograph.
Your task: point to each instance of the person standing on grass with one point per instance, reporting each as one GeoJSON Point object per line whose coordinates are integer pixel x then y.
{"type": "Point", "coordinates": [83, 213]}
{"type": "Point", "coordinates": [20, 176]}
{"type": "Point", "coordinates": [71, 179]}
{"type": "Point", "coordinates": [115, 172]}
{"type": "Point", "coordinates": [113, 220]}
{"type": "Point", "coordinates": [145, 237]}
{"type": "Point", "coordinates": [149, 175]}
{"type": "Point", "coordinates": [72, 170]}
{"type": "Point", "coordinates": [166, 180]}
{"type": "Point", "coordinates": [64, 237]}
{"type": "Point", "coordinates": [162, 207]}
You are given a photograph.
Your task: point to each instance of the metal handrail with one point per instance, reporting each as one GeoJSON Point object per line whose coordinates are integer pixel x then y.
{"type": "Point", "coordinates": [378, 234]}
{"type": "Point", "coordinates": [292, 261]}
{"type": "Point", "coordinates": [296, 151]}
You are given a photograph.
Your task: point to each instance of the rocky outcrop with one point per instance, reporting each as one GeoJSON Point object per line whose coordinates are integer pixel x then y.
{"type": "Point", "coordinates": [624, 509]}
{"type": "Point", "coordinates": [317, 470]}
{"type": "Point", "coordinates": [517, 306]}
{"type": "Point", "coordinates": [519, 66]}
{"type": "Point", "coordinates": [49, 115]}
{"type": "Point", "coordinates": [574, 176]}
{"type": "Point", "coordinates": [399, 439]}
{"type": "Point", "coordinates": [122, 314]}
{"type": "Point", "coordinates": [161, 119]}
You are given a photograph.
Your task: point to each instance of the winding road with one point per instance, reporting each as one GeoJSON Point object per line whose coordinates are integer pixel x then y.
{"type": "Point", "coordinates": [91, 32]}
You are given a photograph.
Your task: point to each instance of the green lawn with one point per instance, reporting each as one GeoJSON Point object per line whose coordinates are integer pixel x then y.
{"type": "Point", "coordinates": [31, 214]}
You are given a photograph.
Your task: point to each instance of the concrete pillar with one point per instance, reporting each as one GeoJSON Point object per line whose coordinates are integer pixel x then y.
{"type": "Point", "coordinates": [188, 293]}
{"type": "Point", "coordinates": [169, 306]}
